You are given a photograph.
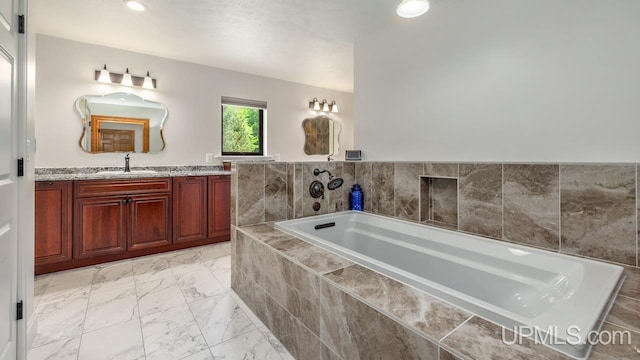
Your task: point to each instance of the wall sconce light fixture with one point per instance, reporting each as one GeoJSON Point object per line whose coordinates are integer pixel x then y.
{"type": "Point", "coordinates": [323, 106]}
{"type": "Point", "coordinates": [314, 104]}
{"type": "Point", "coordinates": [107, 77]}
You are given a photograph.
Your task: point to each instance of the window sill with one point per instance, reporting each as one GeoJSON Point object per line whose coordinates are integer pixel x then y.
{"type": "Point", "coordinates": [240, 158]}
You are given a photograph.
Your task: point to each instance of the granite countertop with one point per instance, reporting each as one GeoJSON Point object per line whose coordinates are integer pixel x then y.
{"type": "Point", "coordinates": [138, 172]}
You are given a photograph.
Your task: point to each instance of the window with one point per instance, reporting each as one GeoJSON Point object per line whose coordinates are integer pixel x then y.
{"type": "Point", "coordinates": [243, 126]}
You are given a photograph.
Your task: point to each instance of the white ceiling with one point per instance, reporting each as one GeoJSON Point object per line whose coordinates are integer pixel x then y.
{"type": "Point", "coordinates": [304, 41]}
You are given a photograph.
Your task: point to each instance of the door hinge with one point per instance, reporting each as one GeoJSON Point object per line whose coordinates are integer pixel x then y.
{"type": "Point", "coordinates": [21, 24]}
{"type": "Point", "coordinates": [21, 167]}
{"type": "Point", "coordinates": [19, 310]}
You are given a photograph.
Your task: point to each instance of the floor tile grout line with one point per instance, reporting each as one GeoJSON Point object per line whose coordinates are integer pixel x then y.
{"type": "Point", "coordinates": [135, 289]}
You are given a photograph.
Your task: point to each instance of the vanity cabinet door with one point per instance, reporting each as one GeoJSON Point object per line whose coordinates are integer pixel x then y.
{"type": "Point", "coordinates": [53, 222]}
{"type": "Point", "coordinates": [189, 208]}
{"type": "Point", "coordinates": [220, 207]}
{"type": "Point", "coordinates": [100, 226]}
{"type": "Point", "coordinates": [149, 221]}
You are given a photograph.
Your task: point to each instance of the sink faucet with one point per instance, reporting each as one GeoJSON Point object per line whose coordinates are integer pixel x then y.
{"type": "Point", "coordinates": [126, 164]}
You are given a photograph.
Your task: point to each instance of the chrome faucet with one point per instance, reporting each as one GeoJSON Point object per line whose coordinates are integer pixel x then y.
{"type": "Point", "coordinates": [126, 164]}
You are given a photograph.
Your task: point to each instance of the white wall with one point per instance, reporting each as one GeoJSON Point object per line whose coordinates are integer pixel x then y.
{"type": "Point", "coordinates": [191, 93]}
{"type": "Point", "coordinates": [503, 80]}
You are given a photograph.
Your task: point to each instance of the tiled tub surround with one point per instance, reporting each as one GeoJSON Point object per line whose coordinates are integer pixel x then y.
{"type": "Point", "coordinates": [322, 306]}
{"type": "Point", "coordinates": [116, 172]}
{"type": "Point", "coordinates": [530, 197]}
{"type": "Point", "coordinates": [579, 209]}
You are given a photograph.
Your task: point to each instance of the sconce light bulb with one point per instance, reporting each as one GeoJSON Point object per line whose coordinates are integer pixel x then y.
{"type": "Point", "coordinates": [126, 79]}
{"type": "Point", "coordinates": [105, 77]}
{"type": "Point", "coordinates": [325, 105]}
{"type": "Point", "coordinates": [148, 82]}
{"type": "Point", "coordinates": [316, 104]}
{"type": "Point", "coordinates": [334, 107]}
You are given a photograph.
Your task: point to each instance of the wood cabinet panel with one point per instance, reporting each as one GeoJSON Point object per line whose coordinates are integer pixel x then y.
{"type": "Point", "coordinates": [149, 221]}
{"type": "Point", "coordinates": [86, 188]}
{"type": "Point", "coordinates": [219, 206]}
{"type": "Point", "coordinates": [99, 226]}
{"type": "Point", "coordinates": [53, 222]}
{"type": "Point", "coordinates": [189, 208]}
{"type": "Point", "coordinates": [107, 220]}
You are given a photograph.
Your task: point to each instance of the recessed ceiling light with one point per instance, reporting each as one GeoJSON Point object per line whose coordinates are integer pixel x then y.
{"type": "Point", "coordinates": [412, 8]}
{"type": "Point", "coordinates": [135, 5]}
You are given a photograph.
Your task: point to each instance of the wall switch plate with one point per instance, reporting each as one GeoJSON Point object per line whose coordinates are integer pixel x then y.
{"type": "Point", "coordinates": [208, 158]}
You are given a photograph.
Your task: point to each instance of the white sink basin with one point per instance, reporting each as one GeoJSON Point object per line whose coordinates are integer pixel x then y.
{"type": "Point", "coordinates": [121, 172]}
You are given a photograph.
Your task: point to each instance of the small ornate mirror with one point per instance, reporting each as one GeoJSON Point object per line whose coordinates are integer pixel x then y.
{"type": "Point", "coordinates": [321, 135]}
{"type": "Point", "coordinates": [121, 122]}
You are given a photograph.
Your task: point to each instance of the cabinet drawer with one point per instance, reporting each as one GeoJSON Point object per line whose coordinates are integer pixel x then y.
{"type": "Point", "coordinates": [220, 177]}
{"type": "Point", "coordinates": [87, 188]}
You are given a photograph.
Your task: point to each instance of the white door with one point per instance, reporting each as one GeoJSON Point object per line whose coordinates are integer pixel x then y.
{"type": "Point", "coordinates": [8, 175]}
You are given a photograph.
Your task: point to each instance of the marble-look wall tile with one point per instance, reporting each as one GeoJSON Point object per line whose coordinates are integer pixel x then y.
{"type": "Point", "coordinates": [349, 177]}
{"type": "Point", "coordinates": [250, 293]}
{"type": "Point", "coordinates": [316, 259]}
{"type": "Point", "coordinates": [232, 246]}
{"type": "Point", "coordinates": [628, 349]}
{"type": "Point", "coordinates": [423, 312]}
{"type": "Point", "coordinates": [296, 289]}
{"type": "Point", "coordinates": [407, 190]}
{"type": "Point", "coordinates": [625, 313]}
{"type": "Point", "coordinates": [335, 196]}
{"type": "Point", "coordinates": [481, 339]}
{"type": "Point", "coordinates": [480, 199]}
{"type": "Point", "coordinates": [307, 179]}
{"type": "Point", "coordinates": [446, 355]}
{"type": "Point", "coordinates": [327, 354]}
{"type": "Point", "coordinates": [363, 178]}
{"type": "Point", "coordinates": [298, 190]}
{"type": "Point", "coordinates": [292, 286]}
{"type": "Point", "coordinates": [244, 256]}
{"type": "Point", "coordinates": [264, 232]}
{"type": "Point", "coordinates": [382, 176]}
{"type": "Point", "coordinates": [291, 167]}
{"type": "Point", "coordinates": [443, 202]}
{"type": "Point", "coordinates": [250, 194]}
{"type": "Point", "coordinates": [438, 169]}
{"type": "Point", "coordinates": [234, 193]}
{"type": "Point", "coordinates": [631, 284]}
{"type": "Point", "coordinates": [354, 330]}
{"type": "Point", "coordinates": [275, 191]}
{"type": "Point", "coordinates": [300, 342]}
{"type": "Point", "coordinates": [598, 211]}
{"type": "Point", "coordinates": [531, 212]}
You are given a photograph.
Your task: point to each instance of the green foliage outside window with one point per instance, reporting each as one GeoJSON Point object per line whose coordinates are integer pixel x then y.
{"type": "Point", "coordinates": [240, 129]}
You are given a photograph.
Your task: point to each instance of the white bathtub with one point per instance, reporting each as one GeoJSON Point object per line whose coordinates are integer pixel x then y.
{"type": "Point", "coordinates": [514, 286]}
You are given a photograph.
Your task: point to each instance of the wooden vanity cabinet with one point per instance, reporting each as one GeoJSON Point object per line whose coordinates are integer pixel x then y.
{"type": "Point", "coordinates": [220, 207]}
{"type": "Point", "coordinates": [115, 216]}
{"type": "Point", "coordinates": [189, 208]}
{"type": "Point", "coordinates": [87, 222]}
{"type": "Point", "coordinates": [53, 222]}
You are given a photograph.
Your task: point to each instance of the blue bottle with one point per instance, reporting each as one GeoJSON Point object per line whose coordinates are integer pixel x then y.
{"type": "Point", "coordinates": [355, 198]}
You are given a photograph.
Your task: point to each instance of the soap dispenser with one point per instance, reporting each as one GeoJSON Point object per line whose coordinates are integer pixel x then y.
{"type": "Point", "coordinates": [356, 198]}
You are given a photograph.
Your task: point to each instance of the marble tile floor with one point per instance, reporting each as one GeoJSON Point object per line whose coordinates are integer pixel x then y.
{"type": "Point", "coordinates": [176, 305]}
